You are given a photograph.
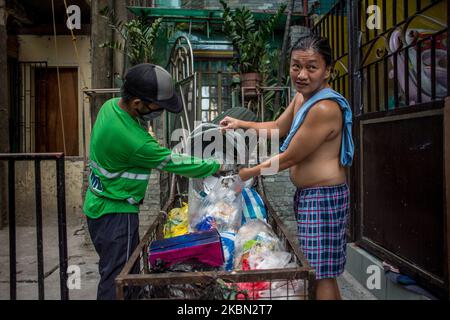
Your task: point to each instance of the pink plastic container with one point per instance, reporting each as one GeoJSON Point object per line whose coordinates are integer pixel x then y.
{"type": "Point", "coordinates": [203, 247]}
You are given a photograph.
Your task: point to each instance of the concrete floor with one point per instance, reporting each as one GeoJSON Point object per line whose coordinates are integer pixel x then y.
{"type": "Point", "coordinates": [27, 288]}
{"type": "Point", "coordinates": [86, 259]}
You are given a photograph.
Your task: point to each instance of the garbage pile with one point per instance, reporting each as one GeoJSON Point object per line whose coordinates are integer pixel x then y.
{"type": "Point", "coordinates": [228, 231]}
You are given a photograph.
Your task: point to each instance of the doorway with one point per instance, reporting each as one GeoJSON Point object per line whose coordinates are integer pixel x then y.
{"type": "Point", "coordinates": [51, 131]}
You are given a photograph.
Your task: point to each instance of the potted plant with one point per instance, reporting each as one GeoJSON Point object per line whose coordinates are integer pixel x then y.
{"type": "Point", "coordinates": [138, 37]}
{"type": "Point", "coordinates": [250, 40]}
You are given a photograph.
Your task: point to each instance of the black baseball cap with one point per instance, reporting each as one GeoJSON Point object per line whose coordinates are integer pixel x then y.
{"type": "Point", "coordinates": [152, 84]}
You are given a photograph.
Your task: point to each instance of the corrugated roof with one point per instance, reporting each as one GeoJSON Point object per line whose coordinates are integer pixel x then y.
{"type": "Point", "coordinates": [187, 15]}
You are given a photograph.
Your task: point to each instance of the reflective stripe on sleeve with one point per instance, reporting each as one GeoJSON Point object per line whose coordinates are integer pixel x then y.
{"type": "Point", "coordinates": [127, 175]}
{"type": "Point", "coordinates": [131, 200]}
{"type": "Point", "coordinates": [164, 162]}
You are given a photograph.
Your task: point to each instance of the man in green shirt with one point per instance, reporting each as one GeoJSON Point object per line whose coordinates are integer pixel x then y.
{"type": "Point", "coordinates": [122, 155]}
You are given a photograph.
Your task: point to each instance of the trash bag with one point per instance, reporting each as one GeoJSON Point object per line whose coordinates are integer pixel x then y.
{"type": "Point", "coordinates": [221, 208]}
{"type": "Point", "coordinates": [177, 222]}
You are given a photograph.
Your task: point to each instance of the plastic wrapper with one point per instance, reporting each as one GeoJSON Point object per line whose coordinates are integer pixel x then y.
{"type": "Point", "coordinates": [228, 239]}
{"type": "Point", "coordinates": [177, 222]}
{"type": "Point", "coordinates": [209, 183]}
{"type": "Point", "coordinates": [221, 208]}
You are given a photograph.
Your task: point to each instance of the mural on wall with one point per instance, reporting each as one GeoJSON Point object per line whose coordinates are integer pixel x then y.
{"type": "Point", "coordinates": [420, 28]}
{"type": "Point", "coordinates": [414, 35]}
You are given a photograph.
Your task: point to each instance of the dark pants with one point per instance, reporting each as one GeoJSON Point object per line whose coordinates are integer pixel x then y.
{"type": "Point", "coordinates": [115, 236]}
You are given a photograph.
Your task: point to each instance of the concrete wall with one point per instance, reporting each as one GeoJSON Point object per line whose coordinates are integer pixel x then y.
{"type": "Point", "coordinates": [25, 192]}
{"type": "Point", "coordinates": [364, 267]}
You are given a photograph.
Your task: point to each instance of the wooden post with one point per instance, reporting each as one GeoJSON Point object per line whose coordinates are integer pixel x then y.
{"type": "Point", "coordinates": [119, 58]}
{"type": "Point", "coordinates": [4, 111]}
{"type": "Point", "coordinates": [447, 182]}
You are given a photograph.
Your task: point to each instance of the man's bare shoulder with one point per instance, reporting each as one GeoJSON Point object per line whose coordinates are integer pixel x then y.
{"type": "Point", "coordinates": [298, 101]}
{"type": "Point", "coordinates": [325, 110]}
{"type": "Point", "coordinates": [298, 97]}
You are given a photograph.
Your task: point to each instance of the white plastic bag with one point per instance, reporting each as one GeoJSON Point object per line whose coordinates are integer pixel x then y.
{"type": "Point", "coordinates": [267, 259]}
{"type": "Point", "coordinates": [255, 235]}
{"type": "Point", "coordinates": [221, 208]}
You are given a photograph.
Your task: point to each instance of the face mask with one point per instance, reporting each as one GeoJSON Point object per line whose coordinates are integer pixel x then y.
{"type": "Point", "coordinates": [151, 115]}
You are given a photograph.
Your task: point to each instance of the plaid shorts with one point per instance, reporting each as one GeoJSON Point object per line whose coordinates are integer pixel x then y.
{"type": "Point", "coordinates": [321, 214]}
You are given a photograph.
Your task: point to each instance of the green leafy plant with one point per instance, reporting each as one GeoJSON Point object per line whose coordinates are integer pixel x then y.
{"type": "Point", "coordinates": [138, 35]}
{"type": "Point", "coordinates": [250, 38]}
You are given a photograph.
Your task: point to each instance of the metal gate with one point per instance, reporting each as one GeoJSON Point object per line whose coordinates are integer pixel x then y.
{"type": "Point", "coordinates": [27, 80]}
{"type": "Point", "coordinates": [181, 66]}
{"type": "Point", "coordinates": [37, 158]}
{"type": "Point", "coordinates": [397, 60]}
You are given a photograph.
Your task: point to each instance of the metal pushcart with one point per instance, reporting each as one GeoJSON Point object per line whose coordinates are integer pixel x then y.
{"type": "Point", "coordinates": [297, 283]}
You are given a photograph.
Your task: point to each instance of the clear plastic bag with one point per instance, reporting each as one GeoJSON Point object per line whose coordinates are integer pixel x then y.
{"type": "Point", "coordinates": [268, 259]}
{"type": "Point", "coordinates": [257, 237]}
{"type": "Point", "coordinates": [221, 208]}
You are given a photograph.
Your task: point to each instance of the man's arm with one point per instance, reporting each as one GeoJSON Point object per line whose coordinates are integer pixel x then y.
{"type": "Point", "coordinates": [282, 124]}
{"type": "Point", "coordinates": [317, 127]}
{"type": "Point", "coordinates": [284, 121]}
{"type": "Point", "coordinates": [153, 156]}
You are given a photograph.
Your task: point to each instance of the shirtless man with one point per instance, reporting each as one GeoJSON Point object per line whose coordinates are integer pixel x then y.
{"type": "Point", "coordinates": [314, 158]}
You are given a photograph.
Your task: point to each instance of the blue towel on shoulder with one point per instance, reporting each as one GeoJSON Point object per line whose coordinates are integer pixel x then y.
{"type": "Point", "coordinates": [347, 147]}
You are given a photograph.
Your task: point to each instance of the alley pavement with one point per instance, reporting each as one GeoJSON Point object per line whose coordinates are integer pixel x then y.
{"type": "Point", "coordinates": [82, 255]}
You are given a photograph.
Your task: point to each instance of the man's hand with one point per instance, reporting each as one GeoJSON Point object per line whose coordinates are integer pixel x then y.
{"type": "Point", "coordinates": [244, 174]}
{"type": "Point", "coordinates": [228, 123]}
{"type": "Point", "coordinates": [224, 168]}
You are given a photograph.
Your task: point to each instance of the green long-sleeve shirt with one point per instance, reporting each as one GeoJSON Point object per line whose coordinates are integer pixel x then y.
{"type": "Point", "coordinates": [122, 155]}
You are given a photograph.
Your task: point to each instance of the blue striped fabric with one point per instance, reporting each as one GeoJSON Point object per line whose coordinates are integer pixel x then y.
{"type": "Point", "coordinates": [253, 207]}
